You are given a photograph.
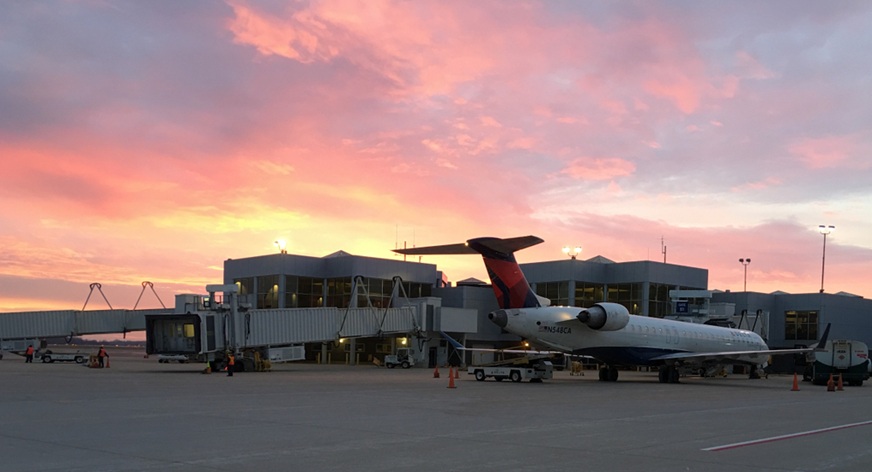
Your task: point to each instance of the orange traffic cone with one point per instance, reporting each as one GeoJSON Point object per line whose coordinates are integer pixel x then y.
{"type": "Point", "coordinates": [831, 387]}
{"type": "Point", "coordinates": [450, 378]}
{"type": "Point", "coordinates": [436, 372]}
{"type": "Point", "coordinates": [839, 385]}
{"type": "Point", "coordinates": [795, 383]}
{"type": "Point", "coordinates": [107, 362]}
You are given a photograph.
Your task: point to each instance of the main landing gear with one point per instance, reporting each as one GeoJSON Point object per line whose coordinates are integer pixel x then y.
{"type": "Point", "coordinates": [608, 374]}
{"type": "Point", "coordinates": [668, 374]}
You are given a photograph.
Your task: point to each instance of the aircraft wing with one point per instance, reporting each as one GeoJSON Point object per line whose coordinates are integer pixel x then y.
{"type": "Point", "coordinates": [743, 356]}
{"type": "Point", "coordinates": [532, 352]}
{"type": "Point", "coordinates": [461, 347]}
{"type": "Point", "coordinates": [754, 357]}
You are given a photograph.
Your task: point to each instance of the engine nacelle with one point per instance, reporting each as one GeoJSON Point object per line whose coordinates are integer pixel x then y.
{"type": "Point", "coordinates": [605, 316]}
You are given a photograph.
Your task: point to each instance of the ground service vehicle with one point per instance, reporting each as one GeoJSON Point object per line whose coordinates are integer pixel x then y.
{"type": "Point", "coordinates": [402, 358]}
{"type": "Point", "coordinates": [49, 356]}
{"type": "Point", "coordinates": [533, 371]}
{"type": "Point", "coordinates": [167, 358]}
{"type": "Point", "coordinates": [847, 358]}
{"type": "Point", "coordinates": [17, 346]}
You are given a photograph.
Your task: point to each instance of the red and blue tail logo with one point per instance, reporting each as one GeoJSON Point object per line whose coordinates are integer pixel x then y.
{"type": "Point", "coordinates": [510, 286]}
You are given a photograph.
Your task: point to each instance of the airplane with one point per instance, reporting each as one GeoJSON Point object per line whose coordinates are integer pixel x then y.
{"type": "Point", "coordinates": [607, 331]}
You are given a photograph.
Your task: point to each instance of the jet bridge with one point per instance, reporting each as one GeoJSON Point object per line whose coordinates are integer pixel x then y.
{"type": "Point", "coordinates": [204, 328]}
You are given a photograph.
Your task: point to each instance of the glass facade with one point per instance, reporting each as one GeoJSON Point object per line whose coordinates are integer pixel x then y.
{"type": "Point", "coordinates": [268, 291]}
{"type": "Point", "coordinates": [339, 292]}
{"type": "Point", "coordinates": [246, 285]}
{"type": "Point", "coordinates": [308, 292]}
{"type": "Point", "coordinates": [659, 304]}
{"type": "Point", "coordinates": [800, 325]}
{"type": "Point", "coordinates": [379, 293]}
{"type": "Point", "coordinates": [629, 295]}
{"type": "Point", "coordinates": [557, 292]}
{"type": "Point", "coordinates": [303, 292]}
{"type": "Point", "coordinates": [588, 293]}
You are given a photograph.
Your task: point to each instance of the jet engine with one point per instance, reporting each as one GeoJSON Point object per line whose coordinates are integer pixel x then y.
{"type": "Point", "coordinates": [605, 316]}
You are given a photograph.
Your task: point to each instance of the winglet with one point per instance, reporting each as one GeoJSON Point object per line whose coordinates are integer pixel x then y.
{"type": "Point", "coordinates": [453, 342]}
{"type": "Point", "coordinates": [822, 343]}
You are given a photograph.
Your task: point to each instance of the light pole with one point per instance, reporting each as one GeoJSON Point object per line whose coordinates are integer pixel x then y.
{"type": "Point", "coordinates": [824, 230]}
{"type": "Point", "coordinates": [572, 252]}
{"type": "Point", "coordinates": [745, 261]}
{"type": "Point", "coordinates": [281, 244]}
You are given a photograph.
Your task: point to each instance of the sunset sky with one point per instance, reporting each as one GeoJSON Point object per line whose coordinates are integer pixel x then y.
{"type": "Point", "coordinates": [150, 141]}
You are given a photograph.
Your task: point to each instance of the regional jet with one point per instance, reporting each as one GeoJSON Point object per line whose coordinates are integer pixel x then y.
{"type": "Point", "coordinates": [607, 331]}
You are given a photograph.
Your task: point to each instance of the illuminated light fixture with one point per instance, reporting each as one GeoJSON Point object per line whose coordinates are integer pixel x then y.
{"type": "Point", "coordinates": [572, 252]}
{"type": "Point", "coordinates": [745, 261]}
{"type": "Point", "coordinates": [403, 341]}
{"type": "Point", "coordinates": [281, 244]}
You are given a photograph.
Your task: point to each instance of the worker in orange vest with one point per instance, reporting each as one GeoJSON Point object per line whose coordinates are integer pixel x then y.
{"type": "Point", "coordinates": [231, 361]}
{"type": "Point", "coordinates": [28, 354]}
{"type": "Point", "coordinates": [101, 354]}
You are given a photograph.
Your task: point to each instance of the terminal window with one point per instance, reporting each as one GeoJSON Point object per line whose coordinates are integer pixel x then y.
{"type": "Point", "coordinates": [800, 325]}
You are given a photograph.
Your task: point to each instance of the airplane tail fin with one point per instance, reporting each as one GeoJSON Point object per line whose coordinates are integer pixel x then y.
{"type": "Point", "coordinates": [822, 342]}
{"type": "Point", "coordinates": [509, 284]}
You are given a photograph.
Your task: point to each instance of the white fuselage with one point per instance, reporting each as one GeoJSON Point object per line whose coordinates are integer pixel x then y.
{"type": "Point", "coordinates": [637, 343]}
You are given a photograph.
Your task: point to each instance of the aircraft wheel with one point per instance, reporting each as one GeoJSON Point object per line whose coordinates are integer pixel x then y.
{"type": "Point", "coordinates": [515, 376]}
{"type": "Point", "coordinates": [603, 374]}
{"type": "Point", "coordinates": [612, 374]}
{"type": "Point", "coordinates": [673, 375]}
{"type": "Point", "coordinates": [662, 375]}
{"type": "Point", "coordinates": [479, 375]}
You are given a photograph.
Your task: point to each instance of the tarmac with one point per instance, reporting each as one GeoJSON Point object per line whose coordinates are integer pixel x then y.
{"type": "Point", "coordinates": [140, 415]}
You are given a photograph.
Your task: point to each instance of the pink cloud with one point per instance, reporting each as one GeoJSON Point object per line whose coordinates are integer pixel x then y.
{"type": "Point", "coordinates": [599, 168]}
{"type": "Point", "coordinates": [830, 152]}
{"type": "Point", "coordinates": [768, 182]}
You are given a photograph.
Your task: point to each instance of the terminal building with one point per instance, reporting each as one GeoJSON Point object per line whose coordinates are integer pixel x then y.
{"type": "Point", "coordinates": [356, 309]}
{"type": "Point", "coordinates": [646, 288]}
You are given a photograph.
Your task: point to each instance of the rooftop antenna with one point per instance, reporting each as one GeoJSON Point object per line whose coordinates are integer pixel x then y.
{"type": "Point", "coordinates": [663, 248]}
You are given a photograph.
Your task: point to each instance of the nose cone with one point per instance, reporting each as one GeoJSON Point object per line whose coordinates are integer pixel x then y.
{"type": "Point", "coordinates": [499, 318]}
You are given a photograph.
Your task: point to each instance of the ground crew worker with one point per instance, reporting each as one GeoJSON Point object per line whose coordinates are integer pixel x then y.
{"type": "Point", "coordinates": [101, 354]}
{"type": "Point", "coordinates": [28, 354]}
{"type": "Point", "coordinates": [231, 361]}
